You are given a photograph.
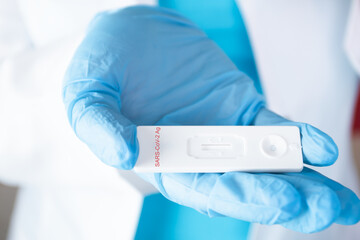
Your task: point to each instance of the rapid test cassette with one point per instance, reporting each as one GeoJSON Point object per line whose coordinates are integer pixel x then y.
{"type": "Point", "coordinates": [219, 149]}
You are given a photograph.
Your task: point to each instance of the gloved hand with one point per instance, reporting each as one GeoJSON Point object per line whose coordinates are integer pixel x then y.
{"type": "Point", "coordinates": [149, 66]}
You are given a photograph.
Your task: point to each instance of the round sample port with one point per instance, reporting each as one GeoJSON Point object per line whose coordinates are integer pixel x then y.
{"type": "Point", "coordinates": [273, 146]}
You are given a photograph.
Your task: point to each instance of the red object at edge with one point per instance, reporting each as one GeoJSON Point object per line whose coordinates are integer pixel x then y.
{"type": "Point", "coordinates": [356, 123]}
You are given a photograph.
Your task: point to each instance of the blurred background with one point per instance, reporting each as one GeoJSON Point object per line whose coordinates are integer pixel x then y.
{"type": "Point", "coordinates": [50, 183]}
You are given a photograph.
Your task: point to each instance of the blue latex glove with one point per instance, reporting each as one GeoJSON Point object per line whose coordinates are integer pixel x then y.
{"type": "Point", "coordinates": [147, 66]}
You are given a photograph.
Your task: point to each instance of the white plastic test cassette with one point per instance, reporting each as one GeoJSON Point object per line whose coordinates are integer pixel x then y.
{"type": "Point", "coordinates": [219, 149]}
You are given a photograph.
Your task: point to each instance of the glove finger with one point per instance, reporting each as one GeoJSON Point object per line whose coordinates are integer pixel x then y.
{"type": "Point", "coordinates": [94, 114]}
{"type": "Point", "coordinates": [250, 197]}
{"type": "Point", "coordinates": [93, 94]}
{"type": "Point", "coordinates": [319, 149]}
{"type": "Point", "coordinates": [320, 204]}
{"type": "Point", "coordinates": [350, 203]}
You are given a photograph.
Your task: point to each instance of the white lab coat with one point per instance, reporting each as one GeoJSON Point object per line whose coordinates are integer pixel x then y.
{"type": "Point", "coordinates": [65, 192]}
{"type": "Point", "coordinates": [307, 77]}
